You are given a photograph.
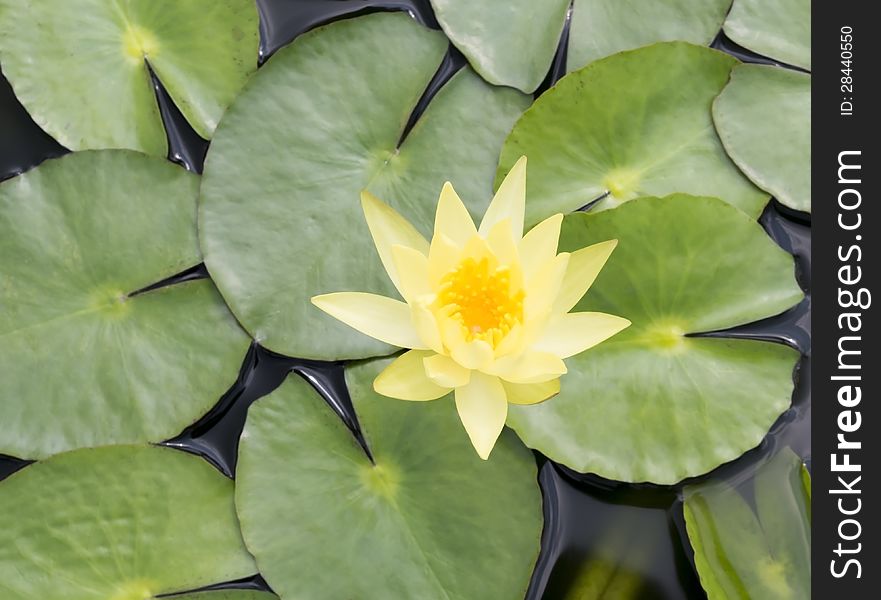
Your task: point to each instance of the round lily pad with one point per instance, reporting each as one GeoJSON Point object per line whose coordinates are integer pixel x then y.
{"type": "Point", "coordinates": [280, 215]}
{"type": "Point", "coordinates": [508, 43]}
{"type": "Point", "coordinates": [652, 403]}
{"type": "Point", "coordinates": [120, 523]}
{"type": "Point", "coordinates": [84, 360]}
{"type": "Point", "coordinates": [426, 518]}
{"type": "Point", "coordinates": [740, 552]}
{"type": "Point", "coordinates": [779, 30]}
{"type": "Point", "coordinates": [763, 117]}
{"type": "Point", "coordinates": [634, 124]}
{"type": "Point", "coordinates": [82, 67]}
{"type": "Point", "coordinates": [602, 27]}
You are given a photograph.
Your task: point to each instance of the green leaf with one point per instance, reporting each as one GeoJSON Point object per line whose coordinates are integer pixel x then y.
{"type": "Point", "coordinates": [81, 67]}
{"type": "Point", "coordinates": [763, 117]}
{"type": "Point", "coordinates": [510, 43]}
{"type": "Point", "coordinates": [427, 519]}
{"type": "Point", "coordinates": [227, 595]}
{"type": "Point", "coordinates": [118, 523]}
{"type": "Point", "coordinates": [83, 361]}
{"type": "Point", "coordinates": [651, 403]}
{"type": "Point", "coordinates": [636, 123]}
{"type": "Point", "coordinates": [780, 30]}
{"type": "Point", "coordinates": [603, 27]}
{"type": "Point", "coordinates": [740, 553]}
{"type": "Point", "coordinates": [280, 217]}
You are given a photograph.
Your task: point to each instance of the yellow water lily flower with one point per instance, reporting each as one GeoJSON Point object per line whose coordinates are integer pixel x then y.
{"type": "Point", "coordinates": [485, 310]}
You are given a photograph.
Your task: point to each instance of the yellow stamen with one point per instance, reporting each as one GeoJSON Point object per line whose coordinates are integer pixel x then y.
{"type": "Point", "coordinates": [481, 299]}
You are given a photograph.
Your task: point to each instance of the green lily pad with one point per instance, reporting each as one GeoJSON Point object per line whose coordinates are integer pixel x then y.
{"type": "Point", "coordinates": [227, 595]}
{"type": "Point", "coordinates": [83, 361]}
{"type": "Point", "coordinates": [634, 124]}
{"type": "Point", "coordinates": [763, 553]}
{"type": "Point", "coordinates": [119, 523]}
{"type": "Point", "coordinates": [779, 30]}
{"type": "Point", "coordinates": [81, 67]}
{"type": "Point", "coordinates": [510, 43]}
{"type": "Point", "coordinates": [426, 519]}
{"type": "Point", "coordinates": [763, 117]}
{"type": "Point", "coordinates": [652, 404]}
{"type": "Point", "coordinates": [603, 27]}
{"type": "Point", "coordinates": [280, 215]}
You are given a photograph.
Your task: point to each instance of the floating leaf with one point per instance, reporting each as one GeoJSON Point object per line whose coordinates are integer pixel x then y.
{"type": "Point", "coordinates": [82, 67]}
{"type": "Point", "coordinates": [763, 117]}
{"type": "Point", "coordinates": [83, 360]}
{"type": "Point", "coordinates": [119, 522]}
{"type": "Point", "coordinates": [740, 553]}
{"type": "Point", "coordinates": [426, 519]}
{"type": "Point", "coordinates": [779, 30]}
{"type": "Point", "coordinates": [281, 219]}
{"type": "Point", "coordinates": [510, 43]}
{"type": "Point", "coordinates": [635, 123]}
{"type": "Point", "coordinates": [602, 27]}
{"type": "Point", "coordinates": [652, 404]}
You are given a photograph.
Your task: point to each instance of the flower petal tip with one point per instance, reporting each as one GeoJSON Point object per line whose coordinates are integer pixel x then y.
{"type": "Point", "coordinates": [368, 200]}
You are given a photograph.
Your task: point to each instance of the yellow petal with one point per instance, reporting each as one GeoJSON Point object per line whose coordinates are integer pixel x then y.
{"type": "Point", "coordinates": [388, 228]}
{"type": "Point", "coordinates": [405, 379]}
{"type": "Point", "coordinates": [426, 326]}
{"type": "Point", "coordinates": [443, 257]}
{"type": "Point", "coordinates": [542, 290]}
{"type": "Point", "coordinates": [477, 248]}
{"type": "Point", "coordinates": [452, 218]}
{"type": "Point", "coordinates": [446, 372]}
{"type": "Point", "coordinates": [572, 333]}
{"type": "Point", "coordinates": [539, 245]}
{"type": "Point", "coordinates": [452, 332]}
{"type": "Point", "coordinates": [531, 393]}
{"type": "Point", "coordinates": [528, 367]}
{"type": "Point", "coordinates": [475, 354]}
{"type": "Point", "coordinates": [509, 202]}
{"type": "Point", "coordinates": [513, 342]}
{"type": "Point", "coordinates": [584, 266]}
{"type": "Point", "coordinates": [483, 409]}
{"type": "Point", "coordinates": [502, 244]}
{"type": "Point", "coordinates": [412, 268]}
{"type": "Point", "coordinates": [382, 318]}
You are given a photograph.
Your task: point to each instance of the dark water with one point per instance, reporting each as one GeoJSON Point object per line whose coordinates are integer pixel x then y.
{"type": "Point", "coordinates": [726, 44]}
{"type": "Point", "coordinates": [22, 143]}
{"type": "Point", "coordinates": [631, 538]}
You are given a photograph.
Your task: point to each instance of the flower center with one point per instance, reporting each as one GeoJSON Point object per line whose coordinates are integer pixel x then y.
{"type": "Point", "coordinates": [480, 297]}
